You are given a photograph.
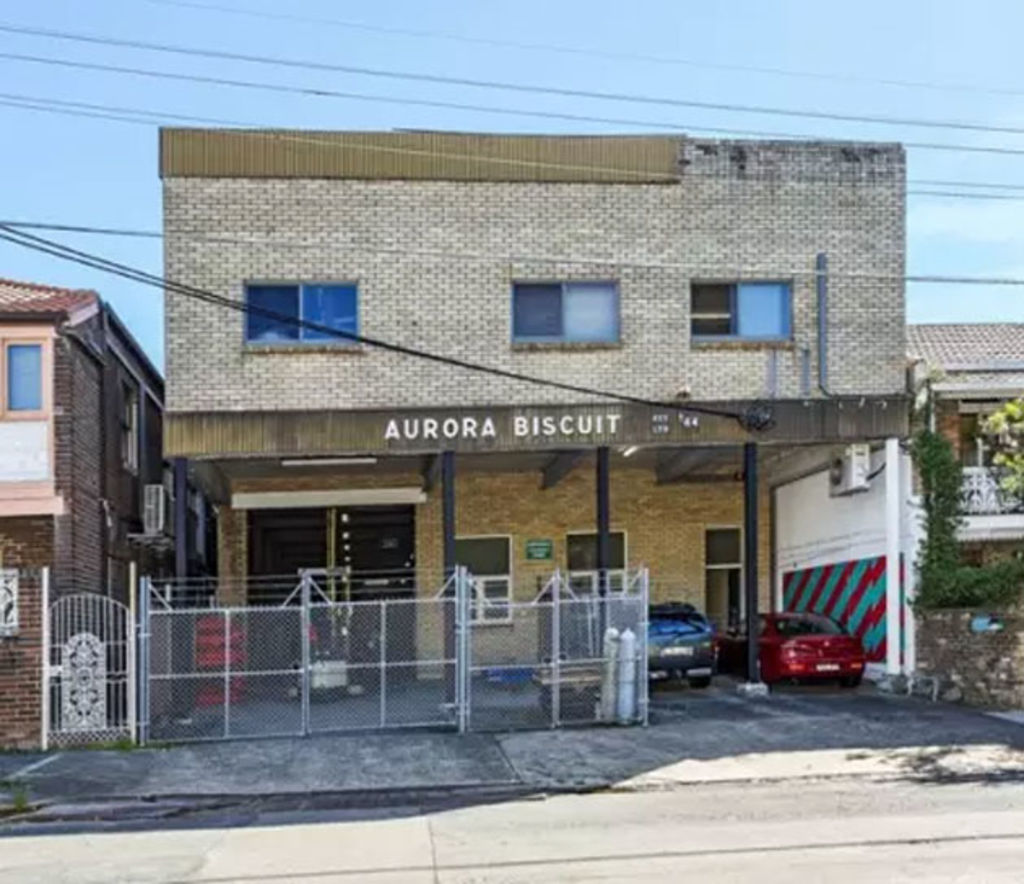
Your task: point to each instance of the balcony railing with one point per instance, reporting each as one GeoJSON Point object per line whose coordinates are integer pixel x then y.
{"type": "Point", "coordinates": [982, 495]}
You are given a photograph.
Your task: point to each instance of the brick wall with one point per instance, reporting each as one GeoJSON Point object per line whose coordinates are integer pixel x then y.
{"type": "Point", "coordinates": [741, 209]}
{"type": "Point", "coordinates": [25, 544]}
{"type": "Point", "coordinates": [988, 668]}
{"type": "Point", "coordinates": [80, 537]}
{"type": "Point", "coordinates": [664, 524]}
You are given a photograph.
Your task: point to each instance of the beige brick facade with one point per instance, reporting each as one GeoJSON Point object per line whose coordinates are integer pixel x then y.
{"type": "Point", "coordinates": [435, 259]}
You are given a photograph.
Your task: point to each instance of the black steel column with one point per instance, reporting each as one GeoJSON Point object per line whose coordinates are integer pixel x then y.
{"type": "Point", "coordinates": [750, 570]}
{"type": "Point", "coordinates": [448, 510]}
{"type": "Point", "coordinates": [180, 518]}
{"type": "Point", "coordinates": [603, 533]}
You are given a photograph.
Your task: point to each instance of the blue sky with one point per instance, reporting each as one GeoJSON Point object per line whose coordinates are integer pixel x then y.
{"type": "Point", "coordinates": [97, 172]}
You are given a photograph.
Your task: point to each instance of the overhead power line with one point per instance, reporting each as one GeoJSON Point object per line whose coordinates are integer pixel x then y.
{"type": "Point", "coordinates": [565, 92]}
{"type": "Point", "coordinates": [609, 55]}
{"type": "Point", "coordinates": [755, 418]}
{"type": "Point", "coordinates": [123, 114]}
{"type": "Point", "coordinates": [512, 258]}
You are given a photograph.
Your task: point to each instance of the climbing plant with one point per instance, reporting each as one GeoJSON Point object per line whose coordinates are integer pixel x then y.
{"type": "Point", "coordinates": [1005, 431]}
{"type": "Point", "coordinates": [945, 581]}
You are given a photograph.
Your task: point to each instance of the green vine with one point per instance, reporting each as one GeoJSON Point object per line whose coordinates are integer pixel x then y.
{"type": "Point", "coordinates": [945, 581]}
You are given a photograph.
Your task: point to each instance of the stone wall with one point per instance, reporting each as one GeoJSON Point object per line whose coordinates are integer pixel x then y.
{"type": "Point", "coordinates": [986, 668]}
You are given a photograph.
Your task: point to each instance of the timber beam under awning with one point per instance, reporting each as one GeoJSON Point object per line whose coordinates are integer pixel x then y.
{"type": "Point", "coordinates": [675, 464]}
{"type": "Point", "coordinates": [559, 467]}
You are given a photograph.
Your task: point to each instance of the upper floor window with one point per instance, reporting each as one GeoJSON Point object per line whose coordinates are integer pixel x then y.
{"type": "Point", "coordinates": [130, 428]}
{"type": "Point", "coordinates": [24, 373]}
{"type": "Point", "coordinates": [748, 311]}
{"type": "Point", "coordinates": [330, 305]}
{"type": "Point", "coordinates": [565, 311]}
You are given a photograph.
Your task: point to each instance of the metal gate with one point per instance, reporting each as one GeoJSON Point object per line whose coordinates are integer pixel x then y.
{"type": "Point", "coordinates": [89, 685]}
{"type": "Point", "coordinates": [446, 658]}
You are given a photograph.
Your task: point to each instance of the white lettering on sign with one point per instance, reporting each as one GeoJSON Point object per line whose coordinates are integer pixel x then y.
{"type": "Point", "coordinates": [523, 427]}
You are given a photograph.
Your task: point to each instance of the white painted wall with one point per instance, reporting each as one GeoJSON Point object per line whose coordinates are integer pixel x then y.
{"type": "Point", "coordinates": [24, 451]}
{"type": "Point", "coordinates": [813, 528]}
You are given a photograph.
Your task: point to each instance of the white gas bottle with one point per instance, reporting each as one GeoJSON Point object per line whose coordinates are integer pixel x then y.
{"type": "Point", "coordinates": [626, 699]}
{"type": "Point", "coordinates": [610, 653]}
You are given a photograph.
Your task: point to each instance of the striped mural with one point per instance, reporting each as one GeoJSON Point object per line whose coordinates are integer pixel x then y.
{"type": "Point", "coordinates": [851, 593]}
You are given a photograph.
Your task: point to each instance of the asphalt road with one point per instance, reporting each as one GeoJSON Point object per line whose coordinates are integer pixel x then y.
{"type": "Point", "coordinates": [835, 831]}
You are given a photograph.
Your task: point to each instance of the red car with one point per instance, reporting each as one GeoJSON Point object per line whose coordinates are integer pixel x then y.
{"type": "Point", "coordinates": [797, 646]}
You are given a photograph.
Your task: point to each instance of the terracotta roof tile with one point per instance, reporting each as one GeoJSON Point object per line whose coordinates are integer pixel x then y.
{"type": "Point", "coordinates": [967, 344]}
{"type": "Point", "coordinates": [30, 297]}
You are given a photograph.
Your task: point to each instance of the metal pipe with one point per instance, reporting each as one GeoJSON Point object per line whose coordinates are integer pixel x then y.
{"type": "Point", "coordinates": [821, 283]}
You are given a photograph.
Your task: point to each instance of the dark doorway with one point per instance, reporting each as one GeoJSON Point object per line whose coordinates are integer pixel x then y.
{"type": "Point", "coordinates": [378, 544]}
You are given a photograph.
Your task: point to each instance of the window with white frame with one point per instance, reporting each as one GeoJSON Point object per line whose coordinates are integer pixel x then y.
{"type": "Point", "coordinates": [8, 602]}
{"type": "Point", "coordinates": [723, 577]}
{"type": "Point", "coordinates": [489, 561]}
{"type": "Point", "coordinates": [581, 550]}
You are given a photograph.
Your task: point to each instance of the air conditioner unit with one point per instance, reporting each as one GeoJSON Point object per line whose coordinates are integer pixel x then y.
{"type": "Point", "coordinates": [156, 512]}
{"type": "Point", "coordinates": [851, 473]}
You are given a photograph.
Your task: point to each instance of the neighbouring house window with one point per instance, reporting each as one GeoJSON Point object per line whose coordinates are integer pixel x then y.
{"type": "Point", "coordinates": [974, 449]}
{"type": "Point", "coordinates": [330, 306]}
{"type": "Point", "coordinates": [754, 311]}
{"type": "Point", "coordinates": [489, 560]}
{"type": "Point", "coordinates": [24, 372]}
{"type": "Point", "coordinates": [8, 602]}
{"type": "Point", "coordinates": [723, 577]}
{"type": "Point", "coordinates": [565, 311]}
{"type": "Point", "coordinates": [581, 552]}
{"type": "Point", "coordinates": [130, 427]}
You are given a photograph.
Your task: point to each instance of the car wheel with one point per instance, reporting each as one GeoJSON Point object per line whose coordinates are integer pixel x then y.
{"type": "Point", "coordinates": [701, 682]}
{"type": "Point", "coordinates": [850, 681]}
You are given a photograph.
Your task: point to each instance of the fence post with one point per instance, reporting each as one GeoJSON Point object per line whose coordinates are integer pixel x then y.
{"type": "Point", "coordinates": [383, 661]}
{"type": "Point", "coordinates": [304, 676]}
{"type": "Point", "coordinates": [130, 638]}
{"type": "Point", "coordinates": [644, 661]}
{"type": "Point", "coordinates": [44, 638]}
{"type": "Point", "coordinates": [145, 589]}
{"type": "Point", "coordinates": [462, 645]}
{"type": "Point", "coordinates": [227, 673]}
{"type": "Point", "coordinates": [556, 649]}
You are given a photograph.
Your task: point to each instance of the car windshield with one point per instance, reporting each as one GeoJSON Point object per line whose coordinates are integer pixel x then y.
{"type": "Point", "coordinates": [807, 625]}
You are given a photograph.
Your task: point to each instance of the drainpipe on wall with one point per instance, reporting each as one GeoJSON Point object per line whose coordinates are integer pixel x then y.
{"type": "Point", "coordinates": [821, 281]}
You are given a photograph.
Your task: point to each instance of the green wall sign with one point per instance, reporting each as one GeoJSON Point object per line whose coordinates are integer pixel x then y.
{"type": "Point", "coordinates": [539, 549]}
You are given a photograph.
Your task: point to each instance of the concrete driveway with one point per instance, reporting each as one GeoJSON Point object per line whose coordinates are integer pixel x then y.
{"type": "Point", "coordinates": [695, 736]}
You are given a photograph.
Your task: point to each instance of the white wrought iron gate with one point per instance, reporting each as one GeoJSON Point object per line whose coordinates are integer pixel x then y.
{"type": "Point", "coordinates": [89, 685]}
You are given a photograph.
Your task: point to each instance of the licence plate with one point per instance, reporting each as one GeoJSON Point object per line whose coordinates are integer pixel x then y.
{"type": "Point", "coordinates": [828, 667]}
{"type": "Point", "coordinates": [682, 651]}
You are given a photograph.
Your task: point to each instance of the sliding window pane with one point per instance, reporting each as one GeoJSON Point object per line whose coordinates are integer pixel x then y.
{"type": "Point", "coordinates": [278, 299]}
{"type": "Point", "coordinates": [537, 311]}
{"type": "Point", "coordinates": [763, 309]}
{"type": "Point", "coordinates": [591, 311]}
{"type": "Point", "coordinates": [333, 306]}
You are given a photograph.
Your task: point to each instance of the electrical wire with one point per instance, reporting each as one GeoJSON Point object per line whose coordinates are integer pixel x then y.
{"type": "Point", "coordinates": [593, 53]}
{"type": "Point", "coordinates": [758, 417]}
{"type": "Point", "coordinates": [560, 91]}
{"type": "Point", "coordinates": [122, 115]}
{"type": "Point", "coordinates": [747, 273]}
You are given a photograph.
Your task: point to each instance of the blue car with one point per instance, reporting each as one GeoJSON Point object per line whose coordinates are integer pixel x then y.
{"type": "Point", "coordinates": [680, 644]}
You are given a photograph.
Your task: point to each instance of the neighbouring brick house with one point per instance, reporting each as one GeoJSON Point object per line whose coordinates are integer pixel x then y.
{"type": "Point", "coordinates": [81, 410]}
{"type": "Point", "coordinates": [754, 278]}
{"type": "Point", "coordinates": [972, 368]}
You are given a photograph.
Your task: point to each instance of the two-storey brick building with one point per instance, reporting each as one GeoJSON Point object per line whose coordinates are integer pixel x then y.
{"type": "Point", "coordinates": [745, 299]}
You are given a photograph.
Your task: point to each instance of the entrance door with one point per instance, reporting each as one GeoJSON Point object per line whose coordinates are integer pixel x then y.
{"type": "Point", "coordinates": [377, 545]}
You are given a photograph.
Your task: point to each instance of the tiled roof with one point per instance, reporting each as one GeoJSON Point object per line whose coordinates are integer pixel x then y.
{"type": "Point", "coordinates": [967, 346]}
{"type": "Point", "coordinates": [32, 298]}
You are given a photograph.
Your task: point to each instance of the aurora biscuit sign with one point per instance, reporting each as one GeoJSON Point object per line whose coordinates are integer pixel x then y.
{"type": "Point", "coordinates": [522, 426]}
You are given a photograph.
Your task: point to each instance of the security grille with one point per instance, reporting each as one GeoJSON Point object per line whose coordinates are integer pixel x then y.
{"type": "Point", "coordinates": [8, 602]}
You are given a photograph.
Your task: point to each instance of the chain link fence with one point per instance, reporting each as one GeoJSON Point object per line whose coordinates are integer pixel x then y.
{"type": "Point", "coordinates": [436, 657]}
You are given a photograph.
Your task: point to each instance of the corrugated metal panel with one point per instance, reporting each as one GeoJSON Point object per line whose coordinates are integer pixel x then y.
{"type": "Point", "coordinates": [225, 153]}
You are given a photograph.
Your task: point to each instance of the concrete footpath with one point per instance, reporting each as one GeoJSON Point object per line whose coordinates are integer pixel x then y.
{"type": "Point", "coordinates": [695, 737]}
